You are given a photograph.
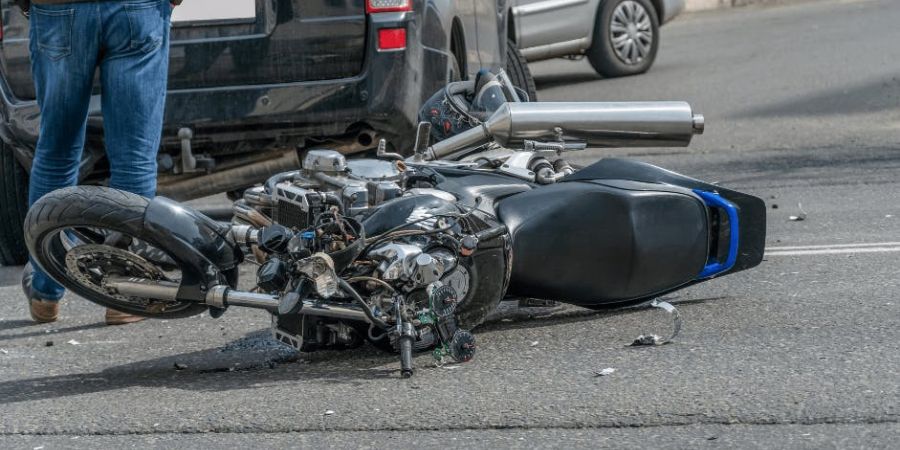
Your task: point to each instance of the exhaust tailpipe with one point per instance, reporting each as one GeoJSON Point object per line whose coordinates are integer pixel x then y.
{"type": "Point", "coordinates": [231, 179]}
{"type": "Point", "coordinates": [599, 124]}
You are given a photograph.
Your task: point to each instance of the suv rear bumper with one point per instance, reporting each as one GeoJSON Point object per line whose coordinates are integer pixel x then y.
{"type": "Point", "coordinates": [385, 96]}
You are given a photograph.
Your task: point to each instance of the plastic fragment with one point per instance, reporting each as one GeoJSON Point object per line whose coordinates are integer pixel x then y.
{"type": "Point", "coordinates": [4, 351]}
{"type": "Point", "coordinates": [328, 413]}
{"type": "Point", "coordinates": [73, 342]}
{"type": "Point", "coordinates": [654, 339]}
{"type": "Point", "coordinates": [800, 217]}
{"type": "Point", "coordinates": [647, 339]}
{"type": "Point", "coordinates": [605, 372]}
{"type": "Point", "coordinates": [179, 366]}
{"type": "Point", "coordinates": [534, 343]}
{"type": "Point", "coordinates": [48, 344]}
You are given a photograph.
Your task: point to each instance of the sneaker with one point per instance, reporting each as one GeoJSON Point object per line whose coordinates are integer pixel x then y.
{"type": "Point", "coordinates": [42, 311]}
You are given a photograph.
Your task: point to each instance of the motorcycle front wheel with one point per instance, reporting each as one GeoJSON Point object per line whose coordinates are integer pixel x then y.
{"type": "Point", "coordinates": [82, 236]}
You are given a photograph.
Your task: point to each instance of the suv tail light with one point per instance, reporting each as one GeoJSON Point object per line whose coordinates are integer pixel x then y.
{"type": "Point", "coordinates": [377, 6]}
{"type": "Point", "coordinates": [391, 39]}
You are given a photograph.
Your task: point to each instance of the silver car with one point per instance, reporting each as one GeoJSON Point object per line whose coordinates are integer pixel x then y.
{"type": "Point", "coordinates": [619, 37]}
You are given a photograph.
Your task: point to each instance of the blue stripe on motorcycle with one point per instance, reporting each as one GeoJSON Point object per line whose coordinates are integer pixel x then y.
{"type": "Point", "coordinates": [713, 266]}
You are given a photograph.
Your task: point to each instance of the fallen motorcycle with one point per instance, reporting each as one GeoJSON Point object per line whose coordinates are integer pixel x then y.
{"type": "Point", "coordinates": [411, 254]}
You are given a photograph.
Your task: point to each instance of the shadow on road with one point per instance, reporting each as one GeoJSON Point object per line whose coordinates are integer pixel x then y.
{"type": "Point", "coordinates": [257, 359]}
{"type": "Point", "coordinates": [14, 324]}
{"type": "Point", "coordinates": [233, 367]}
{"type": "Point", "coordinates": [873, 97]}
{"type": "Point", "coordinates": [564, 79]}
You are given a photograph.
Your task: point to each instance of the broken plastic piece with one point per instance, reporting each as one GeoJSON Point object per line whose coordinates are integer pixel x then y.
{"type": "Point", "coordinates": [653, 339]}
{"type": "Point", "coordinates": [647, 339]}
{"type": "Point", "coordinates": [801, 217]}
{"type": "Point", "coordinates": [605, 372]}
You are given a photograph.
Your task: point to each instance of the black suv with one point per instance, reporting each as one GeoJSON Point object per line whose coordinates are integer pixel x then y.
{"type": "Point", "coordinates": [248, 91]}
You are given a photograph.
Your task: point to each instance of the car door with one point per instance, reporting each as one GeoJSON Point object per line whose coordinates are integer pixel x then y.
{"type": "Point", "coordinates": [546, 22]}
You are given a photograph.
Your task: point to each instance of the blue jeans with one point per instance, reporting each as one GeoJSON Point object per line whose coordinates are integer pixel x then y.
{"type": "Point", "coordinates": [129, 42]}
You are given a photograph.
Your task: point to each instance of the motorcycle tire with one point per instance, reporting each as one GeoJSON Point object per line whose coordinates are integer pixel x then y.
{"type": "Point", "coordinates": [13, 207]}
{"type": "Point", "coordinates": [93, 207]}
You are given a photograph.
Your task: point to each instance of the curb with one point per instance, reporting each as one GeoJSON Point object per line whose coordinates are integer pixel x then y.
{"type": "Point", "coordinates": [703, 5]}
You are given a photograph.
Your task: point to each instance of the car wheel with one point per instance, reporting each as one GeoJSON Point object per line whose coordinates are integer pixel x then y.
{"type": "Point", "coordinates": [517, 69]}
{"type": "Point", "coordinates": [626, 38]}
{"type": "Point", "coordinates": [13, 208]}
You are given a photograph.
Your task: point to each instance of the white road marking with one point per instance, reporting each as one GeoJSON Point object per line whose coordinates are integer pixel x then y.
{"type": "Point", "coordinates": [834, 249]}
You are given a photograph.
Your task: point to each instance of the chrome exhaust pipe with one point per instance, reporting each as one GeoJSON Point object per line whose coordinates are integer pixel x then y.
{"type": "Point", "coordinates": [223, 296]}
{"type": "Point", "coordinates": [599, 124]}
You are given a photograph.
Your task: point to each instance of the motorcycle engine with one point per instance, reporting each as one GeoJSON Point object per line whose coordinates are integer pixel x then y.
{"type": "Point", "coordinates": [409, 265]}
{"type": "Point", "coordinates": [294, 199]}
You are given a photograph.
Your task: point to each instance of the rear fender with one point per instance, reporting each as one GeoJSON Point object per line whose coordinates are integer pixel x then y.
{"type": "Point", "coordinates": [749, 210]}
{"type": "Point", "coordinates": [201, 246]}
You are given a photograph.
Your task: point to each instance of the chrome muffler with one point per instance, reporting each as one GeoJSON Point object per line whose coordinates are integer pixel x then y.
{"type": "Point", "coordinates": [598, 124]}
{"type": "Point", "coordinates": [223, 296]}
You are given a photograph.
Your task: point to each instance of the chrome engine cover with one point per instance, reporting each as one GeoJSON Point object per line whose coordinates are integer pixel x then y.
{"type": "Point", "coordinates": [358, 185]}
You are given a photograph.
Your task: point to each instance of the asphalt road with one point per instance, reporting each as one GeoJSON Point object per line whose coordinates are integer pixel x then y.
{"type": "Point", "coordinates": [802, 105]}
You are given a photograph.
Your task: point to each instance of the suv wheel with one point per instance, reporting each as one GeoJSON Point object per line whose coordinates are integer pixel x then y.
{"type": "Point", "coordinates": [626, 38]}
{"type": "Point", "coordinates": [13, 208]}
{"type": "Point", "coordinates": [517, 69]}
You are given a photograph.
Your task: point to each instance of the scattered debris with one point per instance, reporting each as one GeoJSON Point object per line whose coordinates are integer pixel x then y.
{"type": "Point", "coordinates": [4, 351]}
{"type": "Point", "coordinates": [328, 413]}
{"type": "Point", "coordinates": [801, 217]}
{"type": "Point", "coordinates": [647, 339]}
{"type": "Point", "coordinates": [888, 216]}
{"type": "Point", "coordinates": [73, 342]}
{"type": "Point", "coordinates": [534, 343]}
{"type": "Point", "coordinates": [605, 372]}
{"type": "Point", "coordinates": [653, 339]}
{"type": "Point", "coordinates": [179, 366]}
{"type": "Point", "coordinates": [48, 344]}
{"type": "Point", "coordinates": [774, 205]}
{"type": "Point", "coordinates": [712, 438]}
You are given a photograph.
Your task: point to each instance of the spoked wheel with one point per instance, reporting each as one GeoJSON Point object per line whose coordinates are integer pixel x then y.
{"type": "Point", "coordinates": [626, 38]}
{"type": "Point", "coordinates": [85, 237]}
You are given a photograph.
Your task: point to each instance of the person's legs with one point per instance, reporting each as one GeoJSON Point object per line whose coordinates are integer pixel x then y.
{"type": "Point", "coordinates": [134, 72]}
{"type": "Point", "coordinates": [64, 49]}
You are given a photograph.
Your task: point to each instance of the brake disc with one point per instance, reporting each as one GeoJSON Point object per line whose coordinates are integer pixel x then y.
{"type": "Point", "coordinates": [91, 265]}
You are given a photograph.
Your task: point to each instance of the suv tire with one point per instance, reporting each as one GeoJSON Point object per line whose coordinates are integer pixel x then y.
{"type": "Point", "coordinates": [517, 69]}
{"type": "Point", "coordinates": [13, 208]}
{"type": "Point", "coordinates": [625, 18]}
